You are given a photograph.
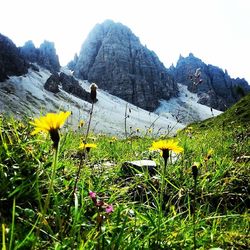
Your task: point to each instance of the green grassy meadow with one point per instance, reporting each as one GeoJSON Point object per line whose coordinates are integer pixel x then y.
{"type": "Point", "coordinates": [150, 211]}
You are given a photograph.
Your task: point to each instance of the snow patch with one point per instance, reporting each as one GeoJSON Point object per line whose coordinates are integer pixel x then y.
{"type": "Point", "coordinates": [185, 108]}
{"type": "Point", "coordinates": [25, 95]}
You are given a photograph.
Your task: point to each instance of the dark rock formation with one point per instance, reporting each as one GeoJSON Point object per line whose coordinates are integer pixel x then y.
{"type": "Point", "coordinates": [217, 89]}
{"type": "Point", "coordinates": [11, 62]}
{"type": "Point", "coordinates": [48, 57]}
{"type": "Point", "coordinates": [52, 83]}
{"type": "Point", "coordinates": [44, 56]}
{"type": "Point", "coordinates": [72, 86]}
{"type": "Point", "coordinates": [30, 52]}
{"type": "Point", "coordinates": [113, 57]}
{"type": "Point", "coordinates": [68, 83]}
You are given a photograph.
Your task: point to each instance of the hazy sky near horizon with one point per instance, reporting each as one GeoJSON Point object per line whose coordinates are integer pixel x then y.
{"type": "Point", "coordinates": [216, 31]}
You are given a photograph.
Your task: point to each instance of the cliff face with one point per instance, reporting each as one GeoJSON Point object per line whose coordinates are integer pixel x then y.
{"type": "Point", "coordinates": [217, 89]}
{"type": "Point", "coordinates": [113, 57]}
{"type": "Point", "coordinates": [45, 55]}
{"type": "Point", "coordinates": [11, 61]}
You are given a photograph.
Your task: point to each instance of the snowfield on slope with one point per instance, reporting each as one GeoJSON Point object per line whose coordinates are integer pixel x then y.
{"type": "Point", "coordinates": [185, 108]}
{"type": "Point", "coordinates": [25, 95]}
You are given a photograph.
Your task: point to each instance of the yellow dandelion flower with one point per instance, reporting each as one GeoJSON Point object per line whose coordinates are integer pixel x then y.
{"type": "Point", "coordinates": [81, 123]}
{"type": "Point", "coordinates": [209, 154]}
{"type": "Point", "coordinates": [50, 122]}
{"type": "Point", "coordinates": [150, 130]}
{"type": "Point", "coordinates": [88, 146]}
{"type": "Point", "coordinates": [114, 138]}
{"type": "Point", "coordinates": [170, 145]}
{"type": "Point", "coordinates": [165, 146]}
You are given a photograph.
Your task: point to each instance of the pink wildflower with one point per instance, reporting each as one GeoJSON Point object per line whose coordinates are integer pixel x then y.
{"type": "Point", "coordinates": [109, 209]}
{"type": "Point", "coordinates": [92, 195]}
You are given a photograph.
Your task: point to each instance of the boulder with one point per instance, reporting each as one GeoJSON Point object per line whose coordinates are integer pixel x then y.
{"type": "Point", "coordinates": [133, 167]}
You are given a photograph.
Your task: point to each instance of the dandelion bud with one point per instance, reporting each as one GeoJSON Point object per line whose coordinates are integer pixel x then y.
{"type": "Point", "coordinates": [55, 137]}
{"type": "Point", "coordinates": [165, 154]}
{"type": "Point", "coordinates": [195, 170]}
{"type": "Point", "coordinates": [93, 88]}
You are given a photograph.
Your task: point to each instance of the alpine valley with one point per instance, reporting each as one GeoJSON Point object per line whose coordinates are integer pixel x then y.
{"type": "Point", "coordinates": [130, 78]}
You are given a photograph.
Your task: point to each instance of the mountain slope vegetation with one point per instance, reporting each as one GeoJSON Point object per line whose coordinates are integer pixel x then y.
{"type": "Point", "coordinates": [98, 198]}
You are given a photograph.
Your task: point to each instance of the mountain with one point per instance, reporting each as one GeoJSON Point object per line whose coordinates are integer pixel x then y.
{"type": "Point", "coordinates": [11, 60]}
{"type": "Point", "coordinates": [26, 96]}
{"type": "Point", "coordinates": [44, 56]}
{"type": "Point", "coordinates": [185, 108]}
{"type": "Point", "coordinates": [32, 83]}
{"type": "Point", "coordinates": [16, 61]}
{"type": "Point", "coordinates": [216, 88]}
{"type": "Point", "coordinates": [113, 57]}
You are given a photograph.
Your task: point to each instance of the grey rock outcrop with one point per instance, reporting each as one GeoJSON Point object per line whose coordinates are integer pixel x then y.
{"type": "Point", "coordinates": [48, 57]}
{"type": "Point", "coordinates": [217, 89]}
{"type": "Point", "coordinates": [30, 52]}
{"type": "Point", "coordinates": [52, 83]}
{"type": "Point", "coordinates": [44, 56]}
{"type": "Point", "coordinates": [11, 61]}
{"type": "Point", "coordinates": [68, 84]}
{"type": "Point", "coordinates": [113, 57]}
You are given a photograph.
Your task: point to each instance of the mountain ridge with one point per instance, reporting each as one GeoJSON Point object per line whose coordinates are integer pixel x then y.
{"type": "Point", "coordinates": [109, 58]}
{"type": "Point", "coordinates": [113, 57]}
{"type": "Point", "coordinates": [147, 86]}
{"type": "Point", "coordinates": [217, 89]}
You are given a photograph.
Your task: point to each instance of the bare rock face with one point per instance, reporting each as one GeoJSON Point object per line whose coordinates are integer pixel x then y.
{"type": "Point", "coordinates": [11, 62]}
{"type": "Point", "coordinates": [217, 89]}
{"type": "Point", "coordinates": [113, 57]}
{"type": "Point", "coordinates": [68, 84]}
{"type": "Point", "coordinates": [52, 83]}
{"type": "Point", "coordinates": [45, 55]}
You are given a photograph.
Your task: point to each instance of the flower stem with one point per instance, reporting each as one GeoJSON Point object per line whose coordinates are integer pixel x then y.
{"type": "Point", "coordinates": [54, 167]}
{"type": "Point", "coordinates": [90, 118]}
{"type": "Point", "coordinates": [194, 214]}
{"type": "Point", "coordinates": [47, 200]}
{"type": "Point", "coordinates": [83, 157]}
{"type": "Point", "coordinates": [160, 209]}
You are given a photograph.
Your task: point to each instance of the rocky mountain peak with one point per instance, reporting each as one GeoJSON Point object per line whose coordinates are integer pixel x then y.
{"type": "Point", "coordinates": [217, 89]}
{"type": "Point", "coordinates": [48, 57]}
{"type": "Point", "coordinates": [113, 57]}
{"type": "Point", "coordinates": [44, 56]}
{"type": "Point", "coordinates": [11, 61]}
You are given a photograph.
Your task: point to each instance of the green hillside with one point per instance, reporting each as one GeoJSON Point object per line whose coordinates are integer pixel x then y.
{"type": "Point", "coordinates": [237, 115]}
{"type": "Point", "coordinates": [55, 195]}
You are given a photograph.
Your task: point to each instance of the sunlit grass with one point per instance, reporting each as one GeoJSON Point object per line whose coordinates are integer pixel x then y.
{"type": "Point", "coordinates": [73, 220]}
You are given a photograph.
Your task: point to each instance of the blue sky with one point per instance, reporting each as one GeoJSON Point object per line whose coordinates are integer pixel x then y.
{"type": "Point", "coordinates": [216, 31]}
